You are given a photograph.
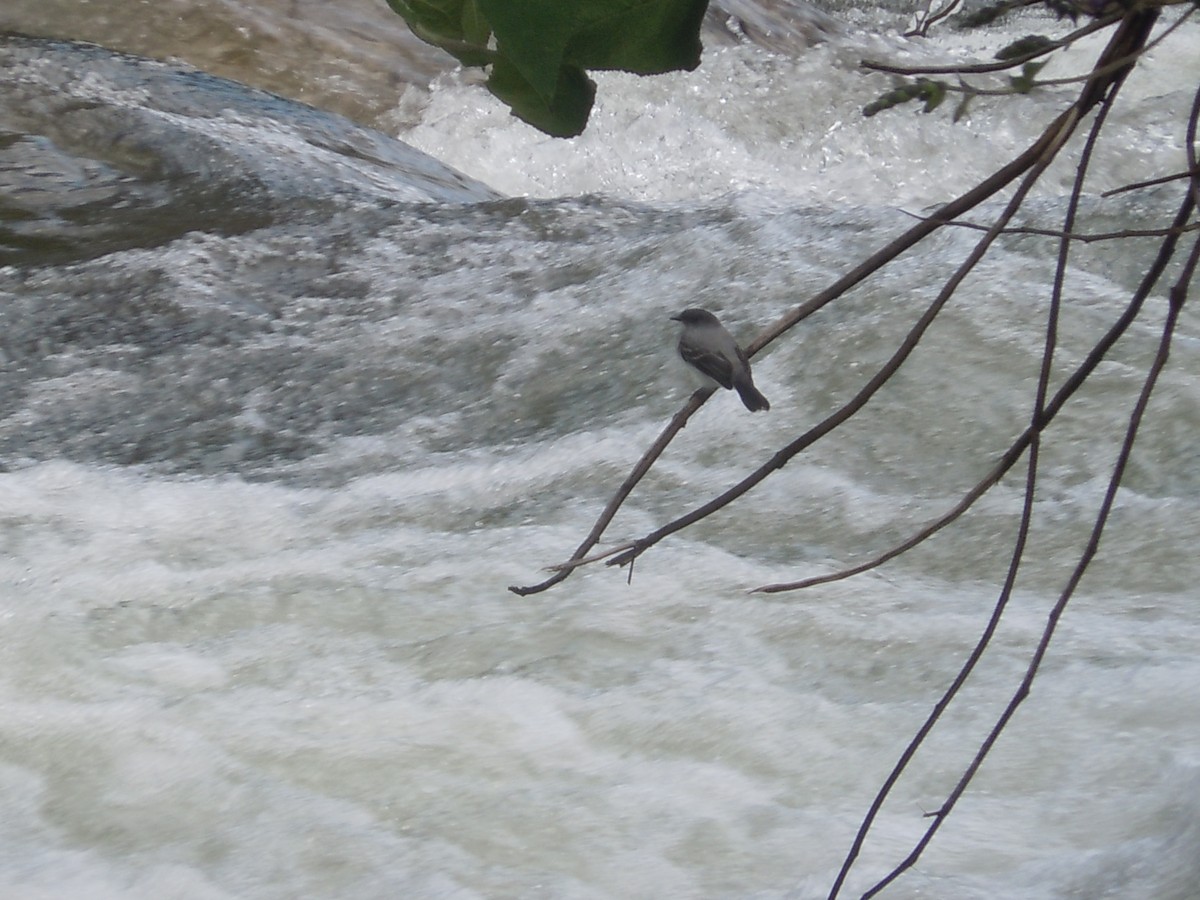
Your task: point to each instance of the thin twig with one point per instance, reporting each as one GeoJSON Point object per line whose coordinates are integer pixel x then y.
{"type": "Point", "coordinates": [1038, 420]}
{"type": "Point", "coordinates": [678, 421]}
{"type": "Point", "coordinates": [999, 65]}
{"type": "Point", "coordinates": [1037, 424]}
{"type": "Point", "coordinates": [1178, 294]}
{"type": "Point", "coordinates": [1007, 460]}
{"type": "Point", "coordinates": [1089, 96]}
{"type": "Point", "coordinates": [595, 557]}
{"type": "Point", "coordinates": [881, 377]}
{"type": "Point", "coordinates": [1117, 63]}
{"type": "Point", "coordinates": [1153, 182]}
{"type": "Point", "coordinates": [1130, 32]}
{"type": "Point", "coordinates": [982, 191]}
{"type": "Point", "coordinates": [929, 19]}
{"type": "Point", "coordinates": [1082, 238]}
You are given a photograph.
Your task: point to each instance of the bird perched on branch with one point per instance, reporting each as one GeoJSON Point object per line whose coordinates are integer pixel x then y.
{"type": "Point", "coordinates": [708, 348]}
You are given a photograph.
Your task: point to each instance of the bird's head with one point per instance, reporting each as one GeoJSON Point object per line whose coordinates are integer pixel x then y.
{"type": "Point", "coordinates": [696, 317]}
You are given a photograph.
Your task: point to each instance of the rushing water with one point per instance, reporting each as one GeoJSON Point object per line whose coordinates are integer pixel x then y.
{"type": "Point", "coordinates": [287, 406]}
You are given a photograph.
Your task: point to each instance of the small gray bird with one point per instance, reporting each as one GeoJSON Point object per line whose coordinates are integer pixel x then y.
{"type": "Point", "coordinates": [706, 346]}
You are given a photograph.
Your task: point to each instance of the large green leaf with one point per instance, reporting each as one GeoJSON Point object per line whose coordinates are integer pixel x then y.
{"type": "Point", "coordinates": [643, 36]}
{"type": "Point", "coordinates": [563, 114]}
{"type": "Point", "coordinates": [454, 25]}
{"type": "Point", "coordinates": [540, 50]}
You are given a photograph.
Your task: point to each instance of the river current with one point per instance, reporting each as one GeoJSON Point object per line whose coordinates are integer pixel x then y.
{"type": "Point", "coordinates": [288, 405]}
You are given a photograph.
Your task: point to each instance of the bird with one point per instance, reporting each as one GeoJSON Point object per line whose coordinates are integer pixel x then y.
{"type": "Point", "coordinates": [706, 346]}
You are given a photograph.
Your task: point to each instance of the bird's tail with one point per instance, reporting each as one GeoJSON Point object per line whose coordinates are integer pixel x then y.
{"type": "Point", "coordinates": [751, 397]}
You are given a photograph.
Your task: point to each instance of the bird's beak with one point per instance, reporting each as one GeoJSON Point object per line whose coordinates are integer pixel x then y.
{"type": "Point", "coordinates": [676, 318]}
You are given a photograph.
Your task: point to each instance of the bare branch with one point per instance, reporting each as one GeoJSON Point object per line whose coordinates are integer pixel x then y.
{"type": "Point", "coordinates": [1119, 48]}
{"type": "Point", "coordinates": [676, 424]}
{"type": "Point", "coordinates": [985, 189]}
{"type": "Point", "coordinates": [1153, 182]}
{"type": "Point", "coordinates": [781, 458]}
{"type": "Point", "coordinates": [595, 557]}
{"type": "Point", "coordinates": [1037, 424]}
{"type": "Point", "coordinates": [930, 18]}
{"type": "Point", "coordinates": [1080, 237]}
{"type": "Point", "coordinates": [1017, 555]}
{"type": "Point", "coordinates": [1119, 63]}
{"type": "Point", "coordinates": [1132, 31]}
{"type": "Point", "coordinates": [1034, 159]}
{"type": "Point", "coordinates": [999, 65]}
{"type": "Point", "coordinates": [1178, 293]}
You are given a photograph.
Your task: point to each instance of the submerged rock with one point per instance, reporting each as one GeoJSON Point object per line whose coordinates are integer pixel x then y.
{"type": "Point", "coordinates": [100, 150]}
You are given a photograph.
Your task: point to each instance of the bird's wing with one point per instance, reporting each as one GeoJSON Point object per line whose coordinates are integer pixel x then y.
{"type": "Point", "coordinates": [714, 365]}
{"type": "Point", "coordinates": [742, 356]}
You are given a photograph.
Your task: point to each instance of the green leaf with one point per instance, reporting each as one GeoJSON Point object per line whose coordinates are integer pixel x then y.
{"type": "Point", "coordinates": [934, 93]}
{"type": "Point", "coordinates": [647, 37]}
{"type": "Point", "coordinates": [540, 49]}
{"type": "Point", "coordinates": [984, 16]}
{"type": "Point", "coordinates": [1032, 43]}
{"type": "Point", "coordinates": [532, 36]}
{"type": "Point", "coordinates": [475, 28]}
{"type": "Point", "coordinates": [564, 114]}
{"type": "Point", "coordinates": [1024, 83]}
{"type": "Point", "coordinates": [454, 25]}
